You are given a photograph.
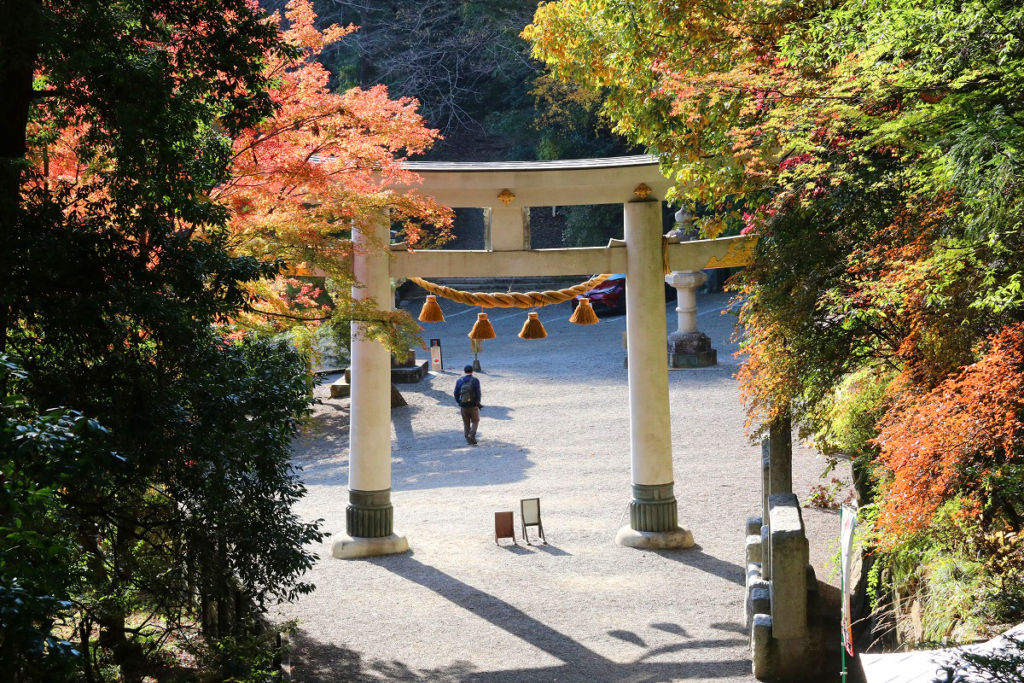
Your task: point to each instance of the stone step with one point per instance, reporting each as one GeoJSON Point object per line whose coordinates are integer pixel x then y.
{"type": "Point", "coordinates": [342, 387]}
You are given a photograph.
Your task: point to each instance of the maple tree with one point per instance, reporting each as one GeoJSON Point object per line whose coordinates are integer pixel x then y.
{"type": "Point", "coordinates": [874, 148]}
{"type": "Point", "coordinates": [302, 178]}
{"type": "Point", "coordinates": [137, 444]}
{"type": "Point", "coordinates": [961, 440]}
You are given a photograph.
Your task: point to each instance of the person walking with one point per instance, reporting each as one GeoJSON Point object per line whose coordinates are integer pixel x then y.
{"type": "Point", "coordinates": [467, 395]}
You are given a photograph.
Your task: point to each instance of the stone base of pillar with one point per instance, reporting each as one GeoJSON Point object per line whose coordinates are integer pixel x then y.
{"type": "Point", "coordinates": [690, 350]}
{"type": "Point", "coordinates": [700, 360]}
{"type": "Point", "coordinates": [653, 507]}
{"type": "Point", "coordinates": [368, 526]}
{"type": "Point", "coordinates": [369, 514]}
{"type": "Point", "coordinates": [680, 537]}
{"type": "Point", "coordinates": [347, 547]}
{"type": "Point", "coordinates": [653, 520]}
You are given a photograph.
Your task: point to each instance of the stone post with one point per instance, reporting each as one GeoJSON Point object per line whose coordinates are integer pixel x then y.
{"type": "Point", "coordinates": [507, 228]}
{"type": "Point", "coordinates": [369, 515]}
{"type": "Point", "coordinates": [766, 490]}
{"type": "Point", "coordinates": [653, 519]}
{"type": "Point", "coordinates": [780, 446]}
{"type": "Point", "coordinates": [688, 347]}
{"type": "Point", "coordinates": [776, 476]}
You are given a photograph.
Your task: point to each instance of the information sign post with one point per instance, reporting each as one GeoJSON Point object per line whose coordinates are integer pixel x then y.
{"type": "Point", "coordinates": [436, 361]}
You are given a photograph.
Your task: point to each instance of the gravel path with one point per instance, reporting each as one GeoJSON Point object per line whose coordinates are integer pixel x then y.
{"type": "Point", "coordinates": [555, 425]}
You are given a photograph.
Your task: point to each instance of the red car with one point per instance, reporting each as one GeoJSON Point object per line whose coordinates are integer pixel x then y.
{"type": "Point", "coordinates": [610, 295]}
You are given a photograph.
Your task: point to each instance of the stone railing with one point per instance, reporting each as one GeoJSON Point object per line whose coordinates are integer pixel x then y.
{"type": "Point", "coordinates": [781, 590]}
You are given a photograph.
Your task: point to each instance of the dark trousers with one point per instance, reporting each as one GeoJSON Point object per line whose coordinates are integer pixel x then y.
{"type": "Point", "coordinates": [470, 419]}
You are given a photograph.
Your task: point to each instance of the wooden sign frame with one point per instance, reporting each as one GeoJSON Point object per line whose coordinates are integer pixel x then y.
{"type": "Point", "coordinates": [504, 526]}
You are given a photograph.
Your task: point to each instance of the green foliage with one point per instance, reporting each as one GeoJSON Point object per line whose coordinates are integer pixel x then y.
{"type": "Point", "coordinates": [41, 455]}
{"type": "Point", "coordinates": [30, 643]}
{"type": "Point", "coordinates": [848, 424]}
{"type": "Point", "coordinates": [826, 495]}
{"type": "Point", "coordinates": [116, 540]}
{"type": "Point", "coordinates": [949, 570]}
{"type": "Point", "coordinates": [91, 536]}
{"type": "Point", "coordinates": [851, 415]}
{"type": "Point", "coordinates": [592, 226]}
{"type": "Point", "coordinates": [246, 659]}
{"type": "Point", "coordinates": [956, 604]}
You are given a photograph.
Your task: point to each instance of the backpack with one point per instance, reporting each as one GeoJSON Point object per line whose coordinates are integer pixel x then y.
{"type": "Point", "coordinates": [466, 391]}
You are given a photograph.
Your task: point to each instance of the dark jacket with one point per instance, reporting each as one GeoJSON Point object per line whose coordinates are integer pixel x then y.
{"type": "Point", "coordinates": [477, 394]}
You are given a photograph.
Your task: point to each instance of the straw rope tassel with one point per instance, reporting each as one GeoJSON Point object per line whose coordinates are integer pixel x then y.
{"type": "Point", "coordinates": [533, 328]}
{"type": "Point", "coordinates": [482, 328]}
{"type": "Point", "coordinates": [431, 312]}
{"type": "Point", "coordinates": [584, 313]}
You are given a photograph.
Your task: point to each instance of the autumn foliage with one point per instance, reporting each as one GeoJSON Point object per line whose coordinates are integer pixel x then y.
{"type": "Point", "coordinates": [324, 163]}
{"type": "Point", "coordinates": [880, 170]}
{"type": "Point", "coordinates": [962, 439]}
{"type": "Point", "coordinates": [299, 180]}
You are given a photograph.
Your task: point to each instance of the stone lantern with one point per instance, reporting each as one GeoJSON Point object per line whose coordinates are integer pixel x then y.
{"type": "Point", "coordinates": [688, 347]}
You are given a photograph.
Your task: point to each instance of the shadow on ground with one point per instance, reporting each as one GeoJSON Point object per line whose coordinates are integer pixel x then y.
{"type": "Point", "coordinates": [436, 462]}
{"type": "Point", "coordinates": [317, 662]}
{"type": "Point", "coordinates": [696, 557]}
{"type": "Point", "coordinates": [435, 459]}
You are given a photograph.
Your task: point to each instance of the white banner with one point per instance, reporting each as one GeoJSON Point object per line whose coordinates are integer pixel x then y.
{"type": "Point", "coordinates": [848, 522]}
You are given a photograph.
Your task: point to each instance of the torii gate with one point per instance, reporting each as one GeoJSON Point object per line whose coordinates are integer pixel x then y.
{"type": "Point", "coordinates": [506, 191]}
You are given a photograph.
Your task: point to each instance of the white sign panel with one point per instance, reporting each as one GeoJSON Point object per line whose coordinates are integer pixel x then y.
{"type": "Point", "coordinates": [848, 522]}
{"type": "Point", "coordinates": [436, 361]}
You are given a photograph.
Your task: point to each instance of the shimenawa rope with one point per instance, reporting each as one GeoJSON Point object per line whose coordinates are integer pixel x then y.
{"type": "Point", "coordinates": [511, 299]}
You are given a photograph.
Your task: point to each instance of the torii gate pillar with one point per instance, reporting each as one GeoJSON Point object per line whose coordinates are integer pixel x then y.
{"type": "Point", "coordinates": [653, 520]}
{"type": "Point", "coordinates": [369, 529]}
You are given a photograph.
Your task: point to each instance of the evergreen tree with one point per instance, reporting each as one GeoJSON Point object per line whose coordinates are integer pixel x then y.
{"type": "Point", "coordinates": [162, 482]}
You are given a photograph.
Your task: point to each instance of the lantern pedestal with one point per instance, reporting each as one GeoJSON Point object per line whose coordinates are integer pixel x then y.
{"type": "Point", "coordinates": [688, 347]}
{"type": "Point", "coordinates": [691, 350]}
